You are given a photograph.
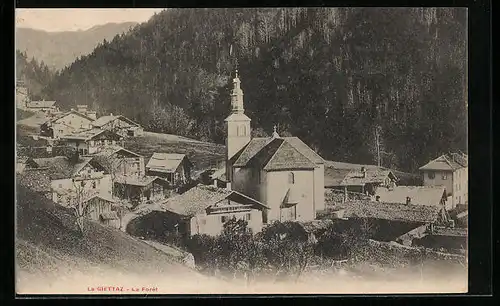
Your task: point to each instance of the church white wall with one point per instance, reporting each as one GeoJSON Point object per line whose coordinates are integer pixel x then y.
{"type": "Point", "coordinates": [277, 186]}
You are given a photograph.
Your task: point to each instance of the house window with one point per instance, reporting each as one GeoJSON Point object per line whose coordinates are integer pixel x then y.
{"type": "Point", "coordinates": [203, 221]}
{"type": "Point", "coordinates": [431, 175]}
{"type": "Point", "coordinates": [291, 178]}
{"type": "Point", "coordinates": [459, 200]}
{"type": "Point", "coordinates": [248, 217]}
{"type": "Point", "coordinates": [94, 184]}
{"type": "Point", "coordinates": [443, 176]}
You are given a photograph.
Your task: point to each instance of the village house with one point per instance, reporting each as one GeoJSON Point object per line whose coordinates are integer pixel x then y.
{"type": "Point", "coordinates": [90, 141]}
{"type": "Point", "coordinates": [65, 123]}
{"type": "Point", "coordinates": [205, 209]}
{"type": "Point", "coordinates": [141, 189]}
{"type": "Point", "coordinates": [120, 161]}
{"type": "Point", "coordinates": [38, 180]}
{"type": "Point", "coordinates": [367, 180]}
{"type": "Point", "coordinates": [449, 170]}
{"type": "Point", "coordinates": [119, 124]}
{"type": "Point", "coordinates": [417, 195]}
{"type": "Point", "coordinates": [282, 172]}
{"type": "Point", "coordinates": [71, 178]}
{"type": "Point", "coordinates": [41, 106]}
{"type": "Point", "coordinates": [175, 168]}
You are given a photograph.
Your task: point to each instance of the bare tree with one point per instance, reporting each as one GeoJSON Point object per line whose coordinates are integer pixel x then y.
{"type": "Point", "coordinates": [112, 164]}
{"type": "Point", "coordinates": [78, 200]}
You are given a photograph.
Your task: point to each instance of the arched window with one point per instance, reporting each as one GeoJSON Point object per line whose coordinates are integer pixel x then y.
{"type": "Point", "coordinates": [243, 130]}
{"type": "Point", "coordinates": [291, 178]}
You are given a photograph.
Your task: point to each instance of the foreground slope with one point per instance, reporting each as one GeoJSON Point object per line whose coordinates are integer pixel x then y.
{"type": "Point", "coordinates": [52, 257]}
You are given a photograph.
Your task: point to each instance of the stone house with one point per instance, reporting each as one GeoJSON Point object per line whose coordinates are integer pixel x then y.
{"type": "Point", "coordinates": [175, 168]}
{"type": "Point", "coordinates": [282, 172]}
{"type": "Point", "coordinates": [449, 170]}
{"type": "Point", "coordinates": [69, 178]}
{"type": "Point", "coordinates": [205, 209]}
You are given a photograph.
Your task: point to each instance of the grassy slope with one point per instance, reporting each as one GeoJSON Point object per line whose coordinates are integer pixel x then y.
{"type": "Point", "coordinates": [50, 252]}
{"type": "Point", "coordinates": [200, 153]}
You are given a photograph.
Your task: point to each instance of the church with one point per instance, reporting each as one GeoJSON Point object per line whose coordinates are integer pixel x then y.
{"type": "Point", "coordinates": [282, 172]}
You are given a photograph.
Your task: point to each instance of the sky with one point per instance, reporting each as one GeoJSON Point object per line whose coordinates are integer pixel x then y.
{"type": "Point", "coordinates": [55, 20]}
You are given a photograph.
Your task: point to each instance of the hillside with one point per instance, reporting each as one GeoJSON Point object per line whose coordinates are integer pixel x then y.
{"type": "Point", "coordinates": [58, 49]}
{"type": "Point", "coordinates": [318, 73]}
{"type": "Point", "coordinates": [50, 253]}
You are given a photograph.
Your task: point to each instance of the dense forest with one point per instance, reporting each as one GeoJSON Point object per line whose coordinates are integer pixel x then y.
{"type": "Point", "coordinates": [35, 75]}
{"type": "Point", "coordinates": [345, 80]}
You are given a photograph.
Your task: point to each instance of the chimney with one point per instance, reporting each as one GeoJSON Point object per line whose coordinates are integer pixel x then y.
{"type": "Point", "coordinates": [215, 182]}
{"type": "Point", "coordinates": [82, 108]}
{"type": "Point", "coordinates": [363, 171]}
{"type": "Point", "coordinates": [228, 186]}
{"type": "Point", "coordinates": [408, 200]}
{"type": "Point", "coordinates": [92, 115]}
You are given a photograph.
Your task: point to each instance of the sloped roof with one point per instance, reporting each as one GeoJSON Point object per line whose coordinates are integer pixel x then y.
{"type": "Point", "coordinates": [62, 115]}
{"type": "Point", "coordinates": [449, 161]}
{"type": "Point", "coordinates": [100, 196]}
{"type": "Point", "coordinates": [420, 195]}
{"type": "Point", "coordinates": [109, 150]}
{"type": "Point", "coordinates": [278, 154]}
{"type": "Point", "coordinates": [355, 177]}
{"type": "Point", "coordinates": [390, 211]}
{"type": "Point", "coordinates": [334, 177]}
{"type": "Point", "coordinates": [197, 199]}
{"type": "Point", "coordinates": [101, 121]}
{"type": "Point", "coordinates": [41, 104]}
{"type": "Point", "coordinates": [35, 179]}
{"type": "Point", "coordinates": [165, 162]}
{"type": "Point", "coordinates": [88, 134]}
{"type": "Point", "coordinates": [60, 167]}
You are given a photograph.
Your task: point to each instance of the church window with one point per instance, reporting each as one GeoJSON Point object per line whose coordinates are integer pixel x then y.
{"type": "Point", "coordinates": [291, 178]}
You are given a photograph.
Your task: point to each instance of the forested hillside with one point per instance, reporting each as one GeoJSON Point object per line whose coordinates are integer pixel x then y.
{"type": "Point", "coordinates": [34, 74]}
{"type": "Point", "coordinates": [58, 49]}
{"type": "Point", "coordinates": [339, 78]}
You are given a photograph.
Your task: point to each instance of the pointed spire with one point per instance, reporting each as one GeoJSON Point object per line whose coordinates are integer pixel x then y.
{"type": "Point", "coordinates": [237, 95]}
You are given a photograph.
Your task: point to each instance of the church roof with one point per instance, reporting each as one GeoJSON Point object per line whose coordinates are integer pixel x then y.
{"type": "Point", "coordinates": [237, 117]}
{"type": "Point", "coordinates": [277, 154]}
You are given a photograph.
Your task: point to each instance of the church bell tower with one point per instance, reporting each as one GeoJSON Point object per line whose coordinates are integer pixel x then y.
{"type": "Point", "coordinates": [237, 124]}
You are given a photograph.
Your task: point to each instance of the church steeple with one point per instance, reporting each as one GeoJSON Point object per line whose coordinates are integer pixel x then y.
{"type": "Point", "coordinates": [237, 96]}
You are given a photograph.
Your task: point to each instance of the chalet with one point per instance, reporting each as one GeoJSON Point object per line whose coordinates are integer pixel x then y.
{"type": "Point", "coordinates": [38, 180]}
{"type": "Point", "coordinates": [90, 141]}
{"type": "Point", "coordinates": [100, 208]}
{"type": "Point", "coordinates": [416, 195]}
{"type": "Point", "coordinates": [449, 170]}
{"type": "Point", "coordinates": [141, 189]}
{"type": "Point", "coordinates": [24, 162]}
{"type": "Point", "coordinates": [65, 123]}
{"type": "Point", "coordinates": [367, 180]}
{"type": "Point", "coordinates": [120, 161]}
{"type": "Point", "coordinates": [282, 172]}
{"type": "Point", "coordinates": [205, 209]}
{"type": "Point", "coordinates": [175, 168]}
{"type": "Point", "coordinates": [70, 178]}
{"type": "Point", "coordinates": [119, 124]}
{"type": "Point", "coordinates": [41, 106]}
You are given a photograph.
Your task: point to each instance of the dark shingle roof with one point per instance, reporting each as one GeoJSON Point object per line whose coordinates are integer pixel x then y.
{"type": "Point", "coordinates": [60, 167]}
{"type": "Point", "coordinates": [334, 177]}
{"type": "Point", "coordinates": [101, 121]}
{"type": "Point", "coordinates": [390, 211]}
{"type": "Point", "coordinates": [165, 162]}
{"type": "Point", "coordinates": [278, 154]}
